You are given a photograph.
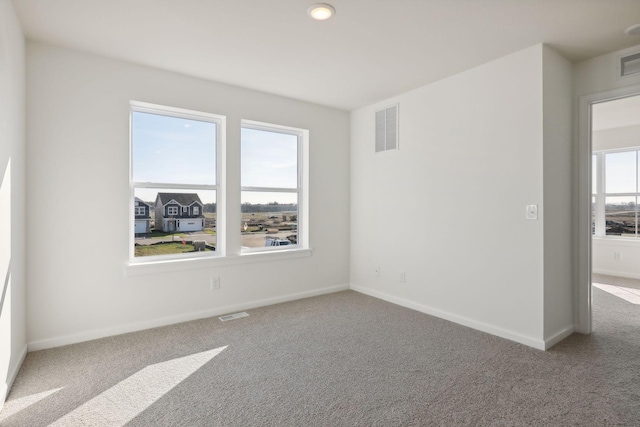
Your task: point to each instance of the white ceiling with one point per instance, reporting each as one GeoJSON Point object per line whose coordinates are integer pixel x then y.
{"type": "Point", "coordinates": [369, 51]}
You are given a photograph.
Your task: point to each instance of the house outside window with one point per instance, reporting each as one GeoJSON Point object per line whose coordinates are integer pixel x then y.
{"type": "Point", "coordinates": [616, 193]}
{"type": "Point", "coordinates": [274, 163]}
{"type": "Point", "coordinates": [175, 164]}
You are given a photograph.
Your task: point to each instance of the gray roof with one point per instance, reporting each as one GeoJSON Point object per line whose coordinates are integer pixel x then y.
{"type": "Point", "coordinates": [138, 199]}
{"type": "Point", "coordinates": [184, 199]}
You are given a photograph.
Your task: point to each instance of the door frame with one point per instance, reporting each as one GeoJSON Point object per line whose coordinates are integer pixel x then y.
{"type": "Point", "coordinates": [583, 318]}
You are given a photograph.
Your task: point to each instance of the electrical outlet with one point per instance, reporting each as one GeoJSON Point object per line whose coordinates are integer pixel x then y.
{"type": "Point", "coordinates": [617, 256]}
{"type": "Point", "coordinates": [376, 272]}
{"type": "Point", "coordinates": [402, 277]}
{"type": "Point", "coordinates": [215, 283]}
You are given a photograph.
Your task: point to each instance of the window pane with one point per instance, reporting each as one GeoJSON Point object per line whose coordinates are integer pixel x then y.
{"type": "Point", "coordinates": [620, 172]}
{"type": "Point", "coordinates": [167, 228]}
{"type": "Point", "coordinates": [620, 215]}
{"type": "Point", "coordinates": [269, 219]}
{"type": "Point", "coordinates": [269, 159]}
{"type": "Point", "coordinates": [173, 150]}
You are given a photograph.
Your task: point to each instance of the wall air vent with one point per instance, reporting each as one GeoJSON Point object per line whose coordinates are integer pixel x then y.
{"type": "Point", "coordinates": [233, 316]}
{"type": "Point", "coordinates": [630, 65]}
{"type": "Point", "coordinates": [387, 129]}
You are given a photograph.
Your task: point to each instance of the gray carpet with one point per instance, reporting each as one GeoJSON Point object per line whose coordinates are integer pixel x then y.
{"type": "Point", "coordinates": [343, 359]}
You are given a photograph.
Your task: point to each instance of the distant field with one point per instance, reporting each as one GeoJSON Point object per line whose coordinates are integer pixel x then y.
{"type": "Point", "coordinates": [272, 224]}
{"type": "Point", "coordinates": [163, 249]}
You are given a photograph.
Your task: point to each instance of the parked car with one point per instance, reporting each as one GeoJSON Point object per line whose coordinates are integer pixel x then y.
{"type": "Point", "coordinates": [277, 242]}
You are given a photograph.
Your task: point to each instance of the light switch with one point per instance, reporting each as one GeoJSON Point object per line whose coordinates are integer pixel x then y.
{"type": "Point", "coordinates": [532, 211]}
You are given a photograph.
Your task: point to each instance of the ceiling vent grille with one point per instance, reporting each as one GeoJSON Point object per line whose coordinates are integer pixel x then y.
{"type": "Point", "coordinates": [630, 64]}
{"type": "Point", "coordinates": [387, 129]}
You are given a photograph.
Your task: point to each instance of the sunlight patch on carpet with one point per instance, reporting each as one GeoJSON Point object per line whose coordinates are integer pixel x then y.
{"type": "Point", "coordinates": [628, 294]}
{"type": "Point", "coordinates": [14, 406]}
{"type": "Point", "coordinates": [131, 396]}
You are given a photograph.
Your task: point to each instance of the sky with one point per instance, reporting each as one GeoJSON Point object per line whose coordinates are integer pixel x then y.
{"type": "Point", "coordinates": [620, 170]}
{"type": "Point", "coordinates": [182, 151]}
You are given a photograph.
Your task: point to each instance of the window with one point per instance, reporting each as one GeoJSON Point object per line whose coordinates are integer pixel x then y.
{"type": "Point", "coordinates": [196, 210]}
{"type": "Point", "coordinates": [139, 211]}
{"type": "Point", "coordinates": [615, 193]}
{"type": "Point", "coordinates": [273, 179]}
{"type": "Point", "coordinates": [175, 161]}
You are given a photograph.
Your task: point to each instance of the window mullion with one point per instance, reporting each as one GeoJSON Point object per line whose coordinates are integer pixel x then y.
{"type": "Point", "coordinates": [176, 186]}
{"type": "Point", "coordinates": [270, 189]}
{"type": "Point", "coordinates": [600, 196]}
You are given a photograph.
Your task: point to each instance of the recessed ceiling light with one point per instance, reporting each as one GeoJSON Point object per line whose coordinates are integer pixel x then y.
{"type": "Point", "coordinates": [321, 11]}
{"type": "Point", "coordinates": [633, 30]}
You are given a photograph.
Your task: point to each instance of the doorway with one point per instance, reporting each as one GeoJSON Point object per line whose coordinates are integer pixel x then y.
{"type": "Point", "coordinates": [609, 216]}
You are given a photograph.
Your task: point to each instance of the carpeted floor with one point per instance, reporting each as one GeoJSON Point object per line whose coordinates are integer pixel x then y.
{"type": "Point", "coordinates": [343, 359]}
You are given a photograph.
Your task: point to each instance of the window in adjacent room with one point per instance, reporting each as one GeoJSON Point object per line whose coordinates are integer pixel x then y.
{"type": "Point", "coordinates": [175, 171]}
{"type": "Point", "coordinates": [618, 193]}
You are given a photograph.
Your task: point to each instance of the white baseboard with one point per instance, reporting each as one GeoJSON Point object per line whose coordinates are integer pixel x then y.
{"type": "Point", "coordinates": [510, 335]}
{"type": "Point", "coordinates": [139, 326]}
{"type": "Point", "coordinates": [617, 273]}
{"type": "Point", "coordinates": [5, 387]}
{"type": "Point", "coordinates": [559, 336]}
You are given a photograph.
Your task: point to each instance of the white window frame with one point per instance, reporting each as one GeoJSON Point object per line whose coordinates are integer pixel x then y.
{"type": "Point", "coordinates": [601, 196]}
{"type": "Point", "coordinates": [139, 210]}
{"type": "Point", "coordinates": [172, 210]}
{"type": "Point", "coordinates": [196, 210]}
{"type": "Point", "coordinates": [302, 189]}
{"type": "Point", "coordinates": [219, 186]}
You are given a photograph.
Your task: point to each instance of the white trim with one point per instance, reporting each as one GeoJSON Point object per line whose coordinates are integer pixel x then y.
{"type": "Point", "coordinates": [178, 264]}
{"type": "Point", "coordinates": [585, 151]}
{"type": "Point", "coordinates": [139, 326]}
{"type": "Point", "coordinates": [464, 321]}
{"type": "Point", "coordinates": [5, 387]}
{"type": "Point", "coordinates": [559, 336]}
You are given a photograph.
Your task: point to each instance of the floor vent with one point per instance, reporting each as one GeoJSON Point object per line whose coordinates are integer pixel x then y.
{"type": "Point", "coordinates": [630, 65]}
{"type": "Point", "coordinates": [233, 316]}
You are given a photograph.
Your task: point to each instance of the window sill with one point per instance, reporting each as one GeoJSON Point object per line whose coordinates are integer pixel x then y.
{"type": "Point", "coordinates": [617, 241]}
{"type": "Point", "coordinates": [134, 268]}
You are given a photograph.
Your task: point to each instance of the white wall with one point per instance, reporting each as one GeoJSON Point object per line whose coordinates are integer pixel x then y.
{"type": "Point", "coordinates": [78, 180]}
{"type": "Point", "coordinates": [558, 215]}
{"type": "Point", "coordinates": [596, 77]}
{"type": "Point", "coordinates": [13, 342]}
{"type": "Point", "coordinates": [605, 262]}
{"type": "Point", "coordinates": [448, 207]}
